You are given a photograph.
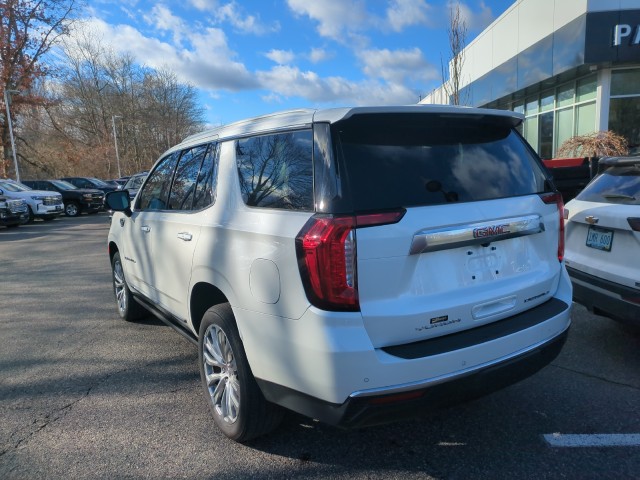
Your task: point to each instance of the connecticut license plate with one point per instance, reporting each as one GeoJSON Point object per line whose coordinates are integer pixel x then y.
{"type": "Point", "coordinates": [600, 238]}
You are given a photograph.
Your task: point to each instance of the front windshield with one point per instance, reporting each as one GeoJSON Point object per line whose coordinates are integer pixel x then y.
{"type": "Point", "coordinates": [63, 185]}
{"type": "Point", "coordinates": [135, 182]}
{"type": "Point", "coordinates": [616, 185]}
{"type": "Point", "coordinates": [99, 183]}
{"type": "Point", "coordinates": [13, 187]}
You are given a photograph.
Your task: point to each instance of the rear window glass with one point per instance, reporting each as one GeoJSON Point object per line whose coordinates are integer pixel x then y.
{"type": "Point", "coordinates": [419, 160]}
{"type": "Point", "coordinates": [616, 185]}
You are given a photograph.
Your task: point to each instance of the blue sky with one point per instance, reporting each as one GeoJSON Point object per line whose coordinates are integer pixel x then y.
{"type": "Point", "coordinates": [252, 57]}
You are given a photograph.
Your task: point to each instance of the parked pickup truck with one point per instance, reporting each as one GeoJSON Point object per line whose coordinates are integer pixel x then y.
{"type": "Point", "coordinates": [571, 175]}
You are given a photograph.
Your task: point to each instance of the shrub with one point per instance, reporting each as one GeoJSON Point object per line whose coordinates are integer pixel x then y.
{"type": "Point", "coordinates": [596, 144]}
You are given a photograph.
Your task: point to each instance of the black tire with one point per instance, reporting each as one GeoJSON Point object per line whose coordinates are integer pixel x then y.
{"type": "Point", "coordinates": [31, 215]}
{"type": "Point", "coordinates": [71, 209]}
{"type": "Point", "coordinates": [127, 307]}
{"type": "Point", "coordinates": [13, 225]}
{"type": "Point", "coordinates": [251, 415]}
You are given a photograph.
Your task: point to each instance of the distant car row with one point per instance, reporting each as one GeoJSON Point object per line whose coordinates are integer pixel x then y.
{"type": "Point", "coordinates": [22, 202]}
{"type": "Point", "coordinates": [76, 200]}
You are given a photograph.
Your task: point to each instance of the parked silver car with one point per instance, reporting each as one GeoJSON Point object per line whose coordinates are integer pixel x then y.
{"type": "Point", "coordinates": [603, 241]}
{"type": "Point", "coordinates": [42, 204]}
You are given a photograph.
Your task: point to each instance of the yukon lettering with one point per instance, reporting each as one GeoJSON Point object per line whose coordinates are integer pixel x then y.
{"type": "Point", "coordinates": [440, 324]}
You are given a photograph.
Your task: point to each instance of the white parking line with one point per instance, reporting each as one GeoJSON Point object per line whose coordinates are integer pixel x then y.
{"type": "Point", "coordinates": [593, 440]}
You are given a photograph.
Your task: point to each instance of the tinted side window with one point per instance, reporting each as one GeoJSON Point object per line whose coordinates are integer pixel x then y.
{"type": "Point", "coordinates": [207, 179]}
{"type": "Point", "coordinates": [276, 170]}
{"type": "Point", "coordinates": [184, 183]}
{"type": "Point", "coordinates": [155, 193]}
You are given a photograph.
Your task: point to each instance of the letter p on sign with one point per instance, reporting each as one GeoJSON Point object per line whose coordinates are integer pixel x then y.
{"type": "Point", "coordinates": [619, 33]}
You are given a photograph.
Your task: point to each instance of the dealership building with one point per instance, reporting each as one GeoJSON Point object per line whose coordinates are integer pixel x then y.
{"type": "Point", "coordinates": [572, 67]}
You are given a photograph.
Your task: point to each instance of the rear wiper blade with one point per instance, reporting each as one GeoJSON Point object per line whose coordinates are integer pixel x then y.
{"type": "Point", "coordinates": [618, 196]}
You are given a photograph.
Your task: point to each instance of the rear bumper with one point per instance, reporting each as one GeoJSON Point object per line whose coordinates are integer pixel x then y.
{"type": "Point", "coordinates": [364, 408]}
{"type": "Point", "coordinates": [601, 296]}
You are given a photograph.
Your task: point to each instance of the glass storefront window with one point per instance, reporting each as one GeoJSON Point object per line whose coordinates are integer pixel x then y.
{"type": "Point", "coordinates": [565, 95]}
{"type": "Point", "coordinates": [546, 101]}
{"type": "Point", "coordinates": [556, 115]}
{"type": "Point", "coordinates": [623, 118]}
{"type": "Point", "coordinates": [587, 88]}
{"type": "Point", "coordinates": [585, 118]}
{"type": "Point", "coordinates": [564, 126]}
{"type": "Point", "coordinates": [625, 82]}
{"type": "Point", "coordinates": [546, 135]}
{"type": "Point", "coordinates": [518, 107]}
{"type": "Point", "coordinates": [531, 131]}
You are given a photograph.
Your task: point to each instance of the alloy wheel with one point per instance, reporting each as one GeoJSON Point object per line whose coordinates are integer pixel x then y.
{"type": "Point", "coordinates": [119, 286]}
{"type": "Point", "coordinates": [221, 374]}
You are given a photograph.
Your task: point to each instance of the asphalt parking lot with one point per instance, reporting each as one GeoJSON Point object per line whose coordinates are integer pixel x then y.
{"type": "Point", "coordinates": [86, 395]}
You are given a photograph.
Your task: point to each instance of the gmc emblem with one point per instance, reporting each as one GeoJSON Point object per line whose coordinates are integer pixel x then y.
{"type": "Point", "coordinates": [490, 231]}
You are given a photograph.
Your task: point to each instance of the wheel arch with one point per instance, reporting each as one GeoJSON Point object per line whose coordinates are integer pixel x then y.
{"type": "Point", "coordinates": [113, 249]}
{"type": "Point", "coordinates": [204, 296]}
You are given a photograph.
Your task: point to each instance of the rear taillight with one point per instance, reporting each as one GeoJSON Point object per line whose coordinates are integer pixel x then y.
{"type": "Point", "coordinates": [556, 197]}
{"type": "Point", "coordinates": [634, 223]}
{"type": "Point", "coordinates": [327, 254]}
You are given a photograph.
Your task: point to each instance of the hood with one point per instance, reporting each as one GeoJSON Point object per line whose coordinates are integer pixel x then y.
{"type": "Point", "coordinates": [31, 193]}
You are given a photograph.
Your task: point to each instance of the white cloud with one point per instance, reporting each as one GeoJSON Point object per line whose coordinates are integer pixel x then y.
{"type": "Point", "coordinates": [207, 64]}
{"type": "Point", "coordinates": [272, 98]}
{"type": "Point", "coordinates": [232, 13]}
{"type": "Point", "coordinates": [202, 57]}
{"type": "Point", "coordinates": [287, 81]}
{"type": "Point", "coordinates": [318, 55]}
{"type": "Point", "coordinates": [335, 17]}
{"type": "Point", "coordinates": [204, 5]}
{"type": "Point", "coordinates": [405, 13]}
{"type": "Point", "coordinates": [281, 57]}
{"type": "Point", "coordinates": [396, 66]}
{"type": "Point", "coordinates": [164, 20]}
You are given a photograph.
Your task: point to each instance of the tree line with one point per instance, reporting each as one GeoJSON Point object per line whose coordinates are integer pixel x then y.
{"type": "Point", "coordinates": [71, 110]}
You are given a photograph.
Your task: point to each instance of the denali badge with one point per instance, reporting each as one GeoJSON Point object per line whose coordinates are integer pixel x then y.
{"type": "Point", "coordinates": [442, 318]}
{"type": "Point", "coordinates": [490, 231]}
{"type": "Point", "coordinates": [441, 321]}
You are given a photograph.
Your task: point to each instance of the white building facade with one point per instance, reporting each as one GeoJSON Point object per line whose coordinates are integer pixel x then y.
{"type": "Point", "coordinates": [571, 67]}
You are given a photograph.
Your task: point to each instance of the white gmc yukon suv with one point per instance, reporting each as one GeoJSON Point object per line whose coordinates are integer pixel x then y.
{"type": "Point", "coordinates": [355, 265]}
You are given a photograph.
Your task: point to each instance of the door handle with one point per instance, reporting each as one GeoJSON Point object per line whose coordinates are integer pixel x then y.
{"type": "Point", "coordinates": [186, 236]}
{"type": "Point", "coordinates": [145, 228]}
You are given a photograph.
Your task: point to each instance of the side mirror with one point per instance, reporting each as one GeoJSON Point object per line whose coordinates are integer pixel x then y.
{"type": "Point", "coordinates": [119, 201]}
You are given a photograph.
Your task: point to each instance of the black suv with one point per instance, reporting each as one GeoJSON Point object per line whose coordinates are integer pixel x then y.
{"type": "Point", "coordinates": [90, 182]}
{"type": "Point", "coordinates": [76, 200]}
